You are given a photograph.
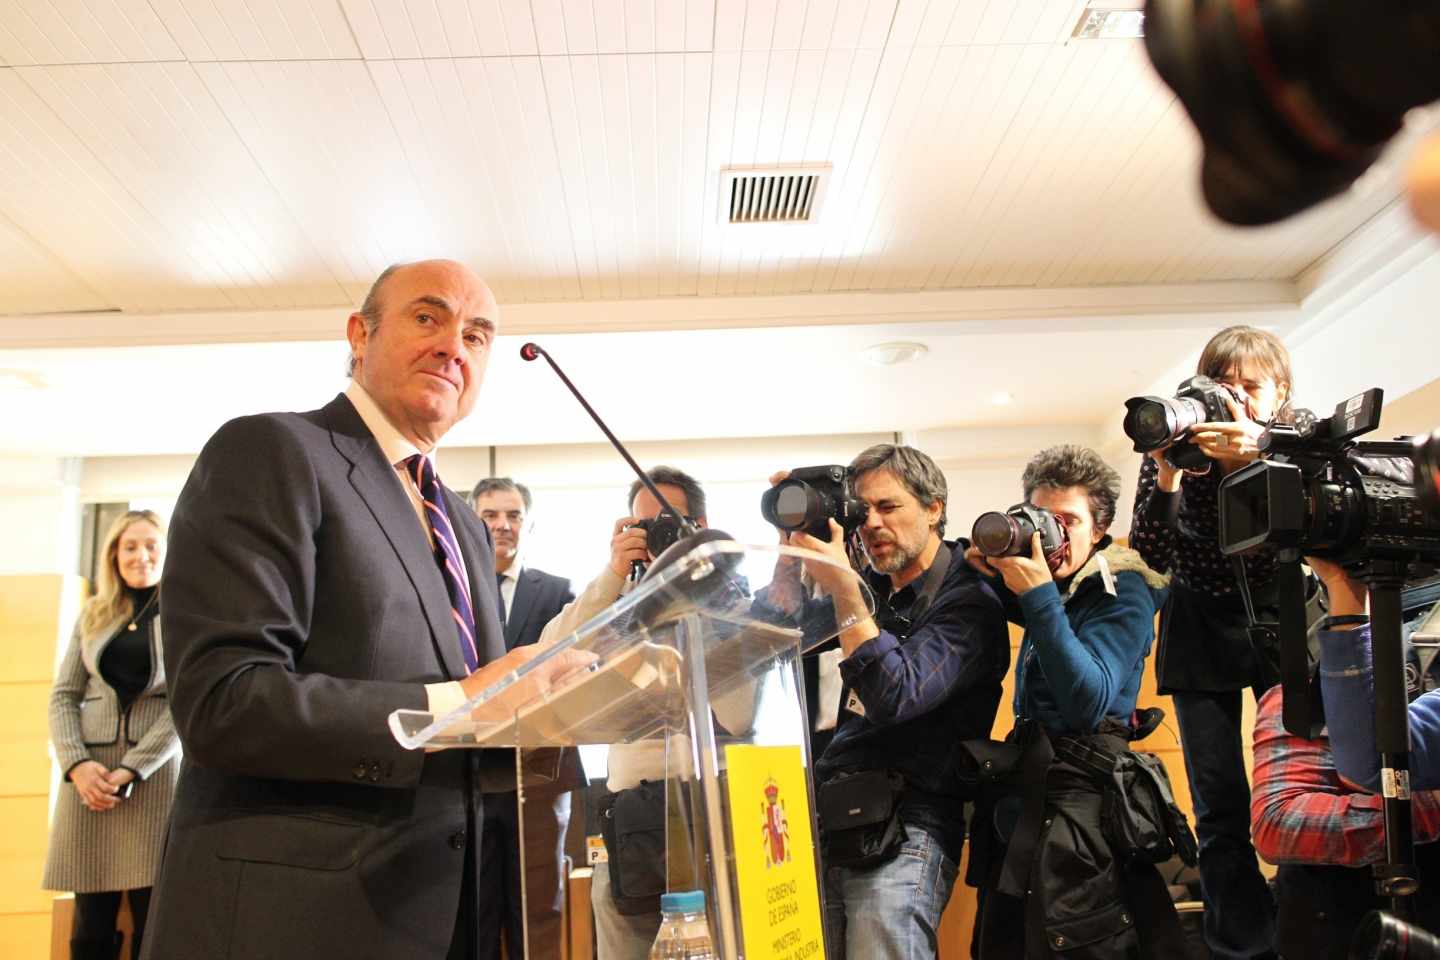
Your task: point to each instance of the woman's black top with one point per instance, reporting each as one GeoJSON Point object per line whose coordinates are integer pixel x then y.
{"type": "Point", "coordinates": [125, 663]}
{"type": "Point", "coordinates": [1205, 640]}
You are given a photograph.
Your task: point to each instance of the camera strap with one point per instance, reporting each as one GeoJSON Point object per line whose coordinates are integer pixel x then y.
{"type": "Point", "coordinates": [1302, 710]}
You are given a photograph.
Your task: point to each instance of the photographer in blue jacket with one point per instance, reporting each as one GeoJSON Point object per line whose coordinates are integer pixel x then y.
{"type": "Point", "coordinates": [1052, 881]}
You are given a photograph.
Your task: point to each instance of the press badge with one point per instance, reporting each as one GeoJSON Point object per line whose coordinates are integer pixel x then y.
{"type": "Point", "coordinates": [1105, 574]}
{"type": "Point", "coordinates": [853, 704]}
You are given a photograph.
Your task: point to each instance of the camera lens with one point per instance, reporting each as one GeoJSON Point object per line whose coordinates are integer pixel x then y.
{"type": "Point", "coordinates": [1427, 473]}
{"type": "Point", "coordinates": [792, 505]}
{"type": "Point", "coordinates": [1150, 424]}
{"type": "Point", "coordinates": [1383, 937]}
{"type": "Point", "coordinates": [997, 534]}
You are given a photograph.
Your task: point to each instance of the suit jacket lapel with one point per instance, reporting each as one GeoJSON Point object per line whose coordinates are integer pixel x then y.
{"type": "Point", "coordinates": [377, 485]}
{"type": "Point", "coordinates": [480, 566]}
{"type": "Point", "coordinates": [526, 588]}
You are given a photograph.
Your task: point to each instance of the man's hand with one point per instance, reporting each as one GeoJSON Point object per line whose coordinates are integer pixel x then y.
{"type": "Point", "coordinates": [535, 683]}
{"type": "Point", "coordinates": [852, 614]}
{"type": "Point", "coordinates": [1232, 445]}
{"type": "Point", "coordinates": [627, 546]}
{"type": "Point", "coordinates": [831, 579]}
{"type": "Point", "coordinates": [1347, 597]}
{"type": "Point", "coordinates": [976, 559]}
{"type": "Point", "coordinates": [91, 779]}
{"type": "Point", "coordinates": [1023, 574]}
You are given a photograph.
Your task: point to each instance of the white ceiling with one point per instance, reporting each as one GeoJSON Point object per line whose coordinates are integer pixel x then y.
{"type": "Point", "coordinates": [160, 155]}
{"type": "Point", "coordinates": [234, 173]}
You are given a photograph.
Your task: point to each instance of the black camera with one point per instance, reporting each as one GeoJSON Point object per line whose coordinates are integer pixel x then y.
{"type": "Point", "coordinates": [1008, 534]}
{"type": "Point", "coordinates": [660, 532]}
{"type": "Point", "coordinates": [810, 497]}
{"type": "Point", "coordinates": [1292, 100]}
{"type": "Point", "coordinates": [1325, 495]}
{"type": "Point", "coordinates": [1154, 422]}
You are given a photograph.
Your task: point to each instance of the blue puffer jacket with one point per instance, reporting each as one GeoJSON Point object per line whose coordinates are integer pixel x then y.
{"type": "Point", "coordinates": [1084, 652]}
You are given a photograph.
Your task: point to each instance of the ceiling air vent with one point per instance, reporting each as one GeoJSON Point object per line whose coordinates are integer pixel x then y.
{"type": "Point", "coordinates": [787, 194]}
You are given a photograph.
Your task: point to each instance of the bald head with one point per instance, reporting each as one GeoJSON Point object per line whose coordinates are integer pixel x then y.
{"type": "Point", "coordinates": [420, 345]}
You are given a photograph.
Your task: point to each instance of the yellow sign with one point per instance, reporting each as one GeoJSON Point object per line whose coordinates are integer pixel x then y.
{"type": "Point", "coordinates": [774, 853]}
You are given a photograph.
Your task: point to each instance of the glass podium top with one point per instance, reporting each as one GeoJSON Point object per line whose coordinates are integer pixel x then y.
{"type": "Point", "coordinates": [621, 676]}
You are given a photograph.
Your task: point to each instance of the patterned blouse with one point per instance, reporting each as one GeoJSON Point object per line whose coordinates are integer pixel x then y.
{"type": "Point", "coordinates": [1179, 533]}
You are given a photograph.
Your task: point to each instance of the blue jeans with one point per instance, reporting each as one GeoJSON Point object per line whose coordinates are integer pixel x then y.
{"type": "Point", "coordinates": [890, 912]}
{"type": "Point", "coordinates": [1239, 910]}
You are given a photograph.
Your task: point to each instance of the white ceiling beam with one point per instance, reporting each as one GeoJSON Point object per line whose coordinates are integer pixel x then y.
{"type": "Point", "coordinates": [986, 310]}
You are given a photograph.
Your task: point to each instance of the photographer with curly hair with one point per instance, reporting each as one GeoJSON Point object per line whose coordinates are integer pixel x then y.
{"type": "Point", "coordinates": [1050, 873]}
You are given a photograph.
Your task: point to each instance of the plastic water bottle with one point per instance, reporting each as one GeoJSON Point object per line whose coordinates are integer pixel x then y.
{"type": "Point", "coordinates": [684, 933]}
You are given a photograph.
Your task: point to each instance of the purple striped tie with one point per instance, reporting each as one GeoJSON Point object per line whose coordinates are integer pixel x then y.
{"type": "Point", "coordinates": [447, 555]}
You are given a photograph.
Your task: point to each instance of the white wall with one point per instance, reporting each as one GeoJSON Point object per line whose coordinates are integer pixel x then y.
{"type": "Point", "coordinates": [40, 515]}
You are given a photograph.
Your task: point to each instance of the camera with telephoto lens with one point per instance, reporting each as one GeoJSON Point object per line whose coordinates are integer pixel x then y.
{"type": "Point", "coordinates": [1008, 534]}
{"type": "Point", "coordinates": [1325, 495]}
{"type": "Point", "coordinates": [810, 497]}
{"type": "Point", "coordinates": [1154, 422]}
{"type": "Point", "coordinates": [1293, 101]}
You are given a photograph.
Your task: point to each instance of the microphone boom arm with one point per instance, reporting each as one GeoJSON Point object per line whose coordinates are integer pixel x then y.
{"type": "Point", "coordinates": [532, 350]}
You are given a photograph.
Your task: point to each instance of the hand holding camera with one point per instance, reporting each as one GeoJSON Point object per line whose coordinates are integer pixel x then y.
{"type": "Point", "coordinates": [627, 546]}
{"type": "Point", "coordinates": [1023, 545]}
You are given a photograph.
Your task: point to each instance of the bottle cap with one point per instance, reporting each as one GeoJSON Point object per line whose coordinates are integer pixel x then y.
{"type": "Point", "coordinates": [687, 901]}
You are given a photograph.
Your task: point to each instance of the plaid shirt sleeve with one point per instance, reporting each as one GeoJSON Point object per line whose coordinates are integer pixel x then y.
{"type": "Point", "coordinates": [1302, 812]}
{"type": "Point", "coordinates": [954, 646]}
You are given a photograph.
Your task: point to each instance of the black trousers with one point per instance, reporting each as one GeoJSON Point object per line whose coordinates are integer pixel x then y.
{"type": "Point", "coordinates": [96, 913]}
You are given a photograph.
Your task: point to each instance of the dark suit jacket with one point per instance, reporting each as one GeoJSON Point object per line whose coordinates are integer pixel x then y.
{"type": "Point", "coordinates": [303, 605]}
{"type": "Point", "coordinates": [539, 597]}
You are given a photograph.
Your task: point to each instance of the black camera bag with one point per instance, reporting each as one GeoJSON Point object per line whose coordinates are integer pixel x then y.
{"type": "Point", "coordinates": [1139, 815]}
{"type": "Point", "coordinates": [632, 822]}
{"type": "Point", "coordinates": [859, 817]}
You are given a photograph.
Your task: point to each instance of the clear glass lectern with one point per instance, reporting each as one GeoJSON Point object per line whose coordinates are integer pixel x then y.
{"type": "Point", "coordinates": [693, 682]}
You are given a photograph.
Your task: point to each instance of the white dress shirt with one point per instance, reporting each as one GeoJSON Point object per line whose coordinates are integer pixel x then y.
{"type": "Point", "coordinates": [447, 695]}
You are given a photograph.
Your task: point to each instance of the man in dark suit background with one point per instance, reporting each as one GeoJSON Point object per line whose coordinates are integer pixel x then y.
{"type": "Point", "coordinates": [530, 598]}
{"type": "Point", "coordinates": [319, 578]}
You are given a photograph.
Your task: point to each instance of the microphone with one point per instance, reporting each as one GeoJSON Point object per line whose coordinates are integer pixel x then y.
{"type": "Point", "coordinates": [532, 351]}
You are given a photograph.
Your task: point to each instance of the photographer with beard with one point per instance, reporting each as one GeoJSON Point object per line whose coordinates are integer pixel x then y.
{"type": "Point", "coordinates": [1052, 882]}
{"type": "Point", "coordinates": [1206, 657]}
{"type": "Point", "coordinates": [920, 676]}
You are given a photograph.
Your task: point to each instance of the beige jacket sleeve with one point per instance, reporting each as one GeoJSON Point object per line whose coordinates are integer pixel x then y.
{"type": "Point", "coordinates": [604, 590]}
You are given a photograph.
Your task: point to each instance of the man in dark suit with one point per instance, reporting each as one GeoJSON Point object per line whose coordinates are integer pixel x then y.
{"type": "Point", "coordinates": [319, 578]}
{"type": "Point", "coordinates": [529, 598]}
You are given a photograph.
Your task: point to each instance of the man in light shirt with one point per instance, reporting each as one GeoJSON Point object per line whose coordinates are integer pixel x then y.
{"type": "Point", "coordinates": [625, 930]}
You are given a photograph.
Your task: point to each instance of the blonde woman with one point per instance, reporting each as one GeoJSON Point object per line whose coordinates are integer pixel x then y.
{"type": "Point", "coordinates": [110, 724]}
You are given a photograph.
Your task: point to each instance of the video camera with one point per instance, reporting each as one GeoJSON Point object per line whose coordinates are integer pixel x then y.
{"type": "Point", "coordinates": [1155, 422]}
{"type": "Point", "coordinates": [809, 497]}
{"type": "Point", "coordinates": [1322, 494]}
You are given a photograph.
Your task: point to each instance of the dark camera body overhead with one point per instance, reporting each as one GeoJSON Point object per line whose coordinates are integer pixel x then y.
{"type": "Point", "coordinates": [810, 497]}
{"type": "Point", "coordinates": [1293, 101]}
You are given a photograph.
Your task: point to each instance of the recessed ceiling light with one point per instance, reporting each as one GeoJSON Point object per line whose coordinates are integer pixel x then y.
{"type": "Point", "coordinates": [1104, 24]}
{"type": "Point", "coordinates": [1002, 398]}
{"type": "Point", "coordinates": [895, 352]}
